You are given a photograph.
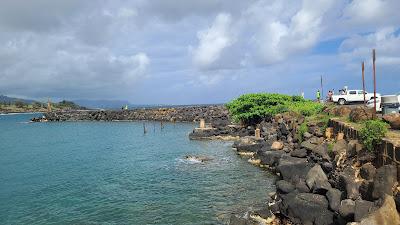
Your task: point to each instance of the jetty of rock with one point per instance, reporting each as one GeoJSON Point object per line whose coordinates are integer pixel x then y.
{"type": "Point", "coordinates": [216, 114]}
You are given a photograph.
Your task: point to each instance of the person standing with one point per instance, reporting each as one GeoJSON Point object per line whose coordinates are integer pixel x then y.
{"type": "Point", "coordinates": [318, 95]}
{"type": "Point", "coordinates": [330, 93]}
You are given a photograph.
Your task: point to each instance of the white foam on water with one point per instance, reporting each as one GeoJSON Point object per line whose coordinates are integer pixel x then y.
{"type": "Point", "coordinates": [190, 160]}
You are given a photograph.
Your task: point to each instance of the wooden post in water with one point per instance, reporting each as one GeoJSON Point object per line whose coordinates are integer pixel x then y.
{"type": "Point", "coordinates": [161, 125]}
{"type": "Point", "coordinates": [144, 128]}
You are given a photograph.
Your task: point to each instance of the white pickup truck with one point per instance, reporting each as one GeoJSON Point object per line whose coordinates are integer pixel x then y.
{"type": "Point", "coordinates": [351, 96]}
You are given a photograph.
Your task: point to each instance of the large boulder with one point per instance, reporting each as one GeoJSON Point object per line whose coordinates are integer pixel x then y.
{"type": "Point", "coordinates": [362, 209]}
{"type": "Point", "coordinates": [308, 145]}
{"type": "Point", "coordinates": [317, 180]}
{"type": "Point", "coordinates": [248, 144]}
{"type": "Point", "coordinates": [353, 148]}
{"type": "Point", "coordinates": [361, 113]}
{"type": "Point", "coordinates": [315, 146]}
{"type": "Point", "coordinates": [307, 208]}
{"type": "Point", "coordinates": [384, 181]}
{"type": "Point", "coordinates": [367, 171]}
{"type": "Point", "coordinates": [342, 111]}
{"type": "Point", "coordinates": [393, 119]}
{"type": "Point", "coordinates": [284, 187]}
{"type": "Point", "coordinates": [301, 186]}
{"type": "Point", "coordinates": [366, 189]}
{"type": "Point", "coordinates": [348, 182]}
{"type": "Point", "coordinates": [270, 158]}
{"type": "Point", "coordinates": [334, 197]}
{"type": "Point", "coordinates": [339, 147]}
{"type": "Point", "coordinates": [299, 153]}
{"type": "Point", "coordinates": [322, 150]}
{"type": "Point", "coordinates": [277, 145]}
{"type": "Point", "coordinates": [347, 209]}
{"type": "Point", "coordinates": [385, 215]}
{"type": "Point", "coordinates": [291, 168]}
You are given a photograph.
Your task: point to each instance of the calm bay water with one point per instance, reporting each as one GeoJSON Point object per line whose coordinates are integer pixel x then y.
{"type": "Point", "coordinates": [111, 173]}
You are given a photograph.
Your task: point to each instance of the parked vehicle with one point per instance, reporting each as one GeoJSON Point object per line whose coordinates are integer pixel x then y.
{"type": "Point", "coordinates": [370, 104]}
{"type": "Point", "coordinates": [390, 104]}
{"type": "Point", "coordinates": [352, 96]}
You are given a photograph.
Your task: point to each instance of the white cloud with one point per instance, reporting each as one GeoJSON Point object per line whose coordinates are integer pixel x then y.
{"type": "Point", "coordinates": [372, 13]}
{"type": "Point", "coordinates": [358, 48]}
{"type": "Point", "coordinates": [280, 37]}
{"type": "Point", "coordinates": [71, 70]}
{"type": "Point", "coordinates": [213, 41]}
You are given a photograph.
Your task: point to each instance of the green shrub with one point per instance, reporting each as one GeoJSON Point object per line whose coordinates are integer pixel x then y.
{"type": "Point", "coordinates": [372, 133]}
{"type": "Point", "coordinates": [300, 132]}
{"type": "Point", "coordinates": [306, 108]}
{"type": "Point", "coordinates": [252, 108]}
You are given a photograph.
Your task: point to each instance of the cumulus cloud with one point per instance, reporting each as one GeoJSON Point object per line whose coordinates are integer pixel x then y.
{"type": "Point", "coordinates": [57, 66]}
{"type": "Point", "coordinates": [358, 48]}
{"type": "Point", "coordinates": [213, 41]}
{"type": "Point", "coordinates": [280, 37]}
{"type": "Point", "coordinates": [372, 13]}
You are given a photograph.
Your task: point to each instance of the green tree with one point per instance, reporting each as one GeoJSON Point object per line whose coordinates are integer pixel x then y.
{"type": "Point", "coordinates": [20, 104]}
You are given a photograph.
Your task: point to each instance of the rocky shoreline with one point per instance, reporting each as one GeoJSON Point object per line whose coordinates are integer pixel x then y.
{"type": "Point", "coordinates": [323, 179]}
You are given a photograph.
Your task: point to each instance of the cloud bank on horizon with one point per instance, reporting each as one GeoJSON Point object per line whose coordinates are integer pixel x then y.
{"type": "Point", "coordinates": [199, 51]}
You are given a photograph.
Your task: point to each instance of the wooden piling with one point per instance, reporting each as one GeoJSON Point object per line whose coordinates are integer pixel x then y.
{"type": "Point", "coordinates": [257, 133]}
{"type": "Point", "coordinates": [202, 124]}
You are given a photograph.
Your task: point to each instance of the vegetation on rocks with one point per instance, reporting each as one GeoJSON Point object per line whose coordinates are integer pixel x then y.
{"type": "Point", "coordinates": [372, 133]}
{"type": "Point", "coordinates": [252, 108]}
{"type": "Point", "coordinates": [303, 128]}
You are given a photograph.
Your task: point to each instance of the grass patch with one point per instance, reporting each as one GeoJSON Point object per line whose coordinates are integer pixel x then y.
{"type": "Point", "coordinates": [300, 132]}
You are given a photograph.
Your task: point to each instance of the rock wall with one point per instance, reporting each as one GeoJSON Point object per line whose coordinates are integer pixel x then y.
{"type": "Point", "coordinates": [216, 114]}
{"type": "Point", "coordinates": [321, 181]}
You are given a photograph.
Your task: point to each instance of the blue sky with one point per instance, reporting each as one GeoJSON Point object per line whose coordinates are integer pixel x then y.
{"type": "Point", "coordinates": [199, 51]}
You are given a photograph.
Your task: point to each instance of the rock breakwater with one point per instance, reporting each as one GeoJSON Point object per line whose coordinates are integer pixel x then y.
{"type": "Point", "coordinates": [216, 114]}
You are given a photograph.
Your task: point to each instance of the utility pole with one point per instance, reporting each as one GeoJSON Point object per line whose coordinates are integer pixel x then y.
{"type": "Point", "coordinates": [373, 66]}
{"type": "Point", "coordinates": [363, 81]}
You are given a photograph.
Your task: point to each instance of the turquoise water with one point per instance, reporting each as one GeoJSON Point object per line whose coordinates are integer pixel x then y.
{"type": "Point", "coordinates": [112, 173]}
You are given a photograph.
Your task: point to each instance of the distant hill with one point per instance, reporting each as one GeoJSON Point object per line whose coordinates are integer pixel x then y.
{"type": "Point", "coordinates": [101, 104]}
{"type": "Point", "coordinates": [12, 100]}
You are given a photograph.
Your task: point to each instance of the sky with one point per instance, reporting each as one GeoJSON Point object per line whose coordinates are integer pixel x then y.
{"type": "Point", "coordinates": [197, 51]}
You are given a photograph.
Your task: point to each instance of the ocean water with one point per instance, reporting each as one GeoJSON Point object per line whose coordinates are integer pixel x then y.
{"type": "Point", "coordinates": [113, 173]}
